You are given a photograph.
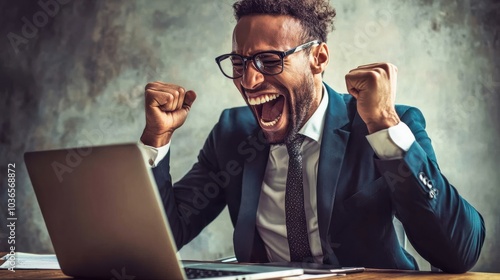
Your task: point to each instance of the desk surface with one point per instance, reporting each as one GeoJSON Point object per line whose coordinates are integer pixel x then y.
{"type": "Point", "coordinates": [369, 274]}
{"type": "Point", "coordinates": [57, 274]}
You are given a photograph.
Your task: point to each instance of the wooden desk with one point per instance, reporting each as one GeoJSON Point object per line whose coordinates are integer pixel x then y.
{"type": "Point", "coordinates": [57, 274]}
{"type": "Point", "coordinates": [369, 274]}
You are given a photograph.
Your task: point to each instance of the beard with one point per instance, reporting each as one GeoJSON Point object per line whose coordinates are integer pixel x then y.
{"type": "Point", "coordinates": [301, 110]}
{"type": "Point", "coordinates": [298, 110]}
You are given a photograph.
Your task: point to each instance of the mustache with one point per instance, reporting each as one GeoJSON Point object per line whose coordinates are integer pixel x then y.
{"type": "Point", "coordinates": [256, 90]}
{"type": "Point", "coordinates": [265, 87]}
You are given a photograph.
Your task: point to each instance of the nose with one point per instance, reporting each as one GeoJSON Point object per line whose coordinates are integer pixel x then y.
{"type": "Point", "coordinates": [251, 78]}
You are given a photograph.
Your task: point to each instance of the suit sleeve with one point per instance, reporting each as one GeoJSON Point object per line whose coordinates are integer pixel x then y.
{"type": "Point", "coordinates": [194, 201]}
{"type": "Point", "coordinates": [442, 226]}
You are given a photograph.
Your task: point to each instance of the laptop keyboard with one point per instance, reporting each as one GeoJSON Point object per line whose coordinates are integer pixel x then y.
{"type": "Point", "coordinates": [197, 273]}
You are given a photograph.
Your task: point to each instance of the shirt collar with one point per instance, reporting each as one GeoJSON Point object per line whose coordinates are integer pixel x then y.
{"type": "Point", "coordinates": [313, 128]}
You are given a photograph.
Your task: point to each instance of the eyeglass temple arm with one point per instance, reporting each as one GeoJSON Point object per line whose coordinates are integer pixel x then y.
{"type": "Point", "coordinates": [302, 47]}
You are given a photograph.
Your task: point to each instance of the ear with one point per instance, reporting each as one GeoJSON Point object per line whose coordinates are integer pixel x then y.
{"type": "Point", "coordinates": [319, 59]}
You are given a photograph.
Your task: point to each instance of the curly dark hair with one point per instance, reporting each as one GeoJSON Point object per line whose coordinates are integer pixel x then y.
{"type": "Point", "coordinates": [316, 16]}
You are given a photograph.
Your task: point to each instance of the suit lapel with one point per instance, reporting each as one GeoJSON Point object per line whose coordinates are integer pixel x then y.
{"type": "Point", "coordinates": [333, 147]}
{"type": "Point", "coordinates": [253, 176]}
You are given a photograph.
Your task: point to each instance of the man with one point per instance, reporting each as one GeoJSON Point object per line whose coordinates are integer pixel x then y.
{"type": "Point", "coordinates": [306, 173]}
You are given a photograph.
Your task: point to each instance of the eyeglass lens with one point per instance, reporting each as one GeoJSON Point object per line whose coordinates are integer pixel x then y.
{"type": "Point", "coordinates": [267, 63]}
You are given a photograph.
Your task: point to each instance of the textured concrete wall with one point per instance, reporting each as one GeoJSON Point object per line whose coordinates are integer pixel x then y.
{"type": "Point", "coordinates": [79, 79]}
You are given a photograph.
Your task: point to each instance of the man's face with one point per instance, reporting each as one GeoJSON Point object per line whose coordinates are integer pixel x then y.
{"type": "Point", "coordinates": [281, 103]}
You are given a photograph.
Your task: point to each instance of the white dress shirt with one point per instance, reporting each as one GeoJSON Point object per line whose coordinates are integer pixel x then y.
{"type": "Point", "coordinates": [388, 143]}
{"type": "Point", "coordinates": [271, 217]}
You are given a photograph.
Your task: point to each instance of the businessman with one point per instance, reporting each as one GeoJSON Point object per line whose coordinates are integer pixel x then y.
{"type": "Point", "coordinates": [308, 174]}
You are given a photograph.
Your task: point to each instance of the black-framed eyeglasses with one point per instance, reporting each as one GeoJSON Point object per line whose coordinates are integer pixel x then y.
{"type": "Point", "coordinates": [267, 62]}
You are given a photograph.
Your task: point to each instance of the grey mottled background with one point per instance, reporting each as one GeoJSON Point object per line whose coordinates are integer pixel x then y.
{"type": "Point", "coordinates": [79, 80]}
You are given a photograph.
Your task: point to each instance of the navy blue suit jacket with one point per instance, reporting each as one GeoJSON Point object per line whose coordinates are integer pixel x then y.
{"type": "Point", "coordinates": [357, 194]}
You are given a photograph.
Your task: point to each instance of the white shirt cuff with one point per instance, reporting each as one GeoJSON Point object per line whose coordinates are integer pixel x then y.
{"type": "Point", "coordinates": [393, 142]}
{"type": "Point", "coordinates": [153, 155]}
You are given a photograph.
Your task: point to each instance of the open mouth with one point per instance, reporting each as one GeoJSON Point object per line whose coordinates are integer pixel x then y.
{"type": "Point", "coordinates": [269, 108]}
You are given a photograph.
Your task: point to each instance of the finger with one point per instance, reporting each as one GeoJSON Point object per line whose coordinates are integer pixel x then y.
{"type": "Point", "coordinates": [360, 80]}
{"type": "Point", "coordinates": [155, 85]}
{"type": "Point", "coordinates": [360, 70]}
{"type": "Point", "coordinates": [353, 92]}
{"type": "Point", "coordinates": [383, 65]}
{"type": "Point", "coordinates": [389, 68]}
{"type": "Point", "coordinates": [393, 73]}
{"type": "Point", "coordinates": [357, 77]}
{"type": "Point", "coordinates": [180, 98]}
{"type": "Point", "coordinates": [351, 89]}
{"type": "Point", "coordinates": [386, 71]}
{"type": "Point", "coordinates": [175, 90]}
{"type": "Point", "coordinates": [394, 81]}
{"type": "Point", "coordinates": [371, 65]}
{"type": "Point", "coordinates": [189, 99]}
{"type": "Point", "coordinates": [166, 101]}
{"type": "Point", "coordinates": [160, 86]}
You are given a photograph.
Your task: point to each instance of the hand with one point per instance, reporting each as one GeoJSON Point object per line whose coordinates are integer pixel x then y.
{"type": "Point", "coordinates": [167, 107]}
{"type": "Point", "coordinates": [374, 87]}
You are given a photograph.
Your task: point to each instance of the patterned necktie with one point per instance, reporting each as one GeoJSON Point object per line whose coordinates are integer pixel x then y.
{"type": "Point", "coordinates": [296, 226]}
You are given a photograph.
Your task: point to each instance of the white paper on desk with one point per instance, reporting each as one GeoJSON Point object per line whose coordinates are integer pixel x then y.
{"type": "Point", "coordinates": [32, 261]}
{"type": "Point", "coordinates": [312, 276]}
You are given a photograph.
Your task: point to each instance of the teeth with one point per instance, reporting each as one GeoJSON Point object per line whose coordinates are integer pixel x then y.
{"type": "Point", "coordinates": [262, 99]}
{"type": "Point", "coordinates": [271, 123]}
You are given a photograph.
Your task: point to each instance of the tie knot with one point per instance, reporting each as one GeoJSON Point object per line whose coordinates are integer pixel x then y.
{"type": "Point", "coordinates": [293, 147]}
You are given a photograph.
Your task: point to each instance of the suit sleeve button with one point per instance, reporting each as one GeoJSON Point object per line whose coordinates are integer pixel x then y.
{"type": "Point", "coordinates": [422, 176]}
{"type": "Point", "coordinates": [429, 184]}
{"type": "Point", "coordinates": [431, 194]}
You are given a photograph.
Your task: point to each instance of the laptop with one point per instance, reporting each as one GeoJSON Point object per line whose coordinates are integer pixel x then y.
{"type": "Point", "coordinates": [105, 219]}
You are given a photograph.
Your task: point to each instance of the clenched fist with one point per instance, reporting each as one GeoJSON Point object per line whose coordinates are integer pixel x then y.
{"type": "Point", "coordinates": [167, 107]}
{"type": "Point", "coordinates": [374, 87]}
